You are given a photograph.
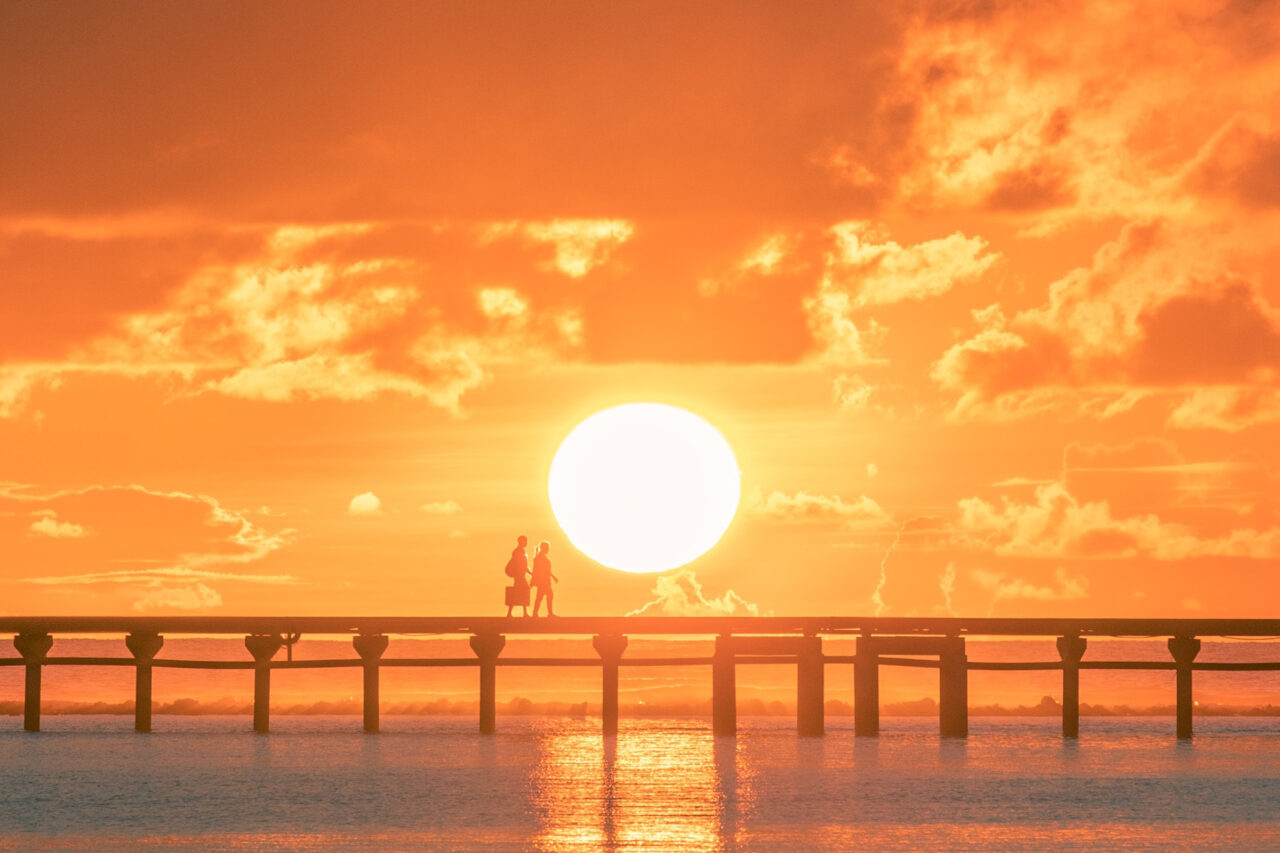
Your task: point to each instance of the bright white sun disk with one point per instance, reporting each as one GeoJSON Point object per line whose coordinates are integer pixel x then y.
{"type": "Point", "coordinates": [644, 487]}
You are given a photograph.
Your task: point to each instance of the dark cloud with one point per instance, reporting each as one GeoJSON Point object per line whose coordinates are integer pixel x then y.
{"type": "Point", "coordinates": [1221, 337]}
{"type": "Point", "coordinates": [1038, 187]}
{"type": "Point", "coordinates": [320, 110]}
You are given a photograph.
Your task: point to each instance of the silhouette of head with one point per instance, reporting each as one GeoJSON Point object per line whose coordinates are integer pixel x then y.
{"type": "Point", "coordinates": [522, 541]}
{"type": "Point", "coordinates": [544, 546]}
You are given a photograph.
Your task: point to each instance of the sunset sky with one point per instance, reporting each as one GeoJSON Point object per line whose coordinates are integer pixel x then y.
{"type": "Point", "coordinates": [297, 300]}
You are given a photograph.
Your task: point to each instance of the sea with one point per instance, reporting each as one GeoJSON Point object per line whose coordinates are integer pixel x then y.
{"type": "Point", "coordinates": [543, 783]}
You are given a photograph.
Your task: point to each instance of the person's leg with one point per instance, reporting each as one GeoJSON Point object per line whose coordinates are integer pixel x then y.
{"type": "Point", "coordinates": [551, 595]}
{"type": "Point", "coordinates": [508, 610]}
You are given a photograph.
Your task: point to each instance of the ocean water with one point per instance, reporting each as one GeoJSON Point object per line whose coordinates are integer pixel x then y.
{"type": "Point", "coordinates": [556, 784]}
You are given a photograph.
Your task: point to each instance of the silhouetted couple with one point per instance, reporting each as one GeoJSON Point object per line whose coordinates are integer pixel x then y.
{"type": "Point", "coordinates": [540, 578]}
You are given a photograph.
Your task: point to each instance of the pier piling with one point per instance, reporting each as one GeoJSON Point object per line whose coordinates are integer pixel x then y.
{"type": "Point", "coordinates": [1184, 651]}
{"type": "Point", "coordinates": [610, 648]}
{"type": "Point", "coordinates": [34, 648]}
{"type": "Point", "coordinates": [953, 688]}
{"type": "Point", "coordinates": [263, 647]}
{"type": "Point", "coordinates": [1071, 650]}
{"type": "Point", "coordinates": [370, 648]}
{"type": "Point", "coordinates": [866, 687]}
{"type": "Point", "coordinates": [144, 647]}
{"type": "Point", "coordinates": [810, 687]}
{"type": "Point", "coordinates": [487, 647]}
{"type": "Point", "coordinates": [724, 688]}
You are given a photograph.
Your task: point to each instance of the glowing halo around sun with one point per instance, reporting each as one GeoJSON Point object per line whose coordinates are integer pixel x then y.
{"type": "Point", "coordinates": [644, 487]}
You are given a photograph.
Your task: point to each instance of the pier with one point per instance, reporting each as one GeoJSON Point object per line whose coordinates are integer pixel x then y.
{"type": "Point", "coordinates": [789, 641]}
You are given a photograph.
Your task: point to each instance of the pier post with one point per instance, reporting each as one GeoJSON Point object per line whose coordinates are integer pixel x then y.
{"type": "Point", "coordinates": [487, 647]}
{"type": "Point", "coordinates": [1184, 651]}
{"type": "Point", "coordinates": [144, 647]}
{"type": "Point", "coordinates": [263, 647]}
{"type": "Point", "coordinates": [1071, 650]}
{"type": "Point", "coordinates": [34, 648]}
{"type": "Point", "coordinates": [370, 648]}
{"type": "Point", "coordinates": [810, 687]}
{"type": "Point", "coordinates": [953, 689]}
{"type": "Point", "coordinates": [866, 687]}
{"type": "Point", "coordinates": [724, 688]}
{"type": "Point", "coordinates": [610, 648]}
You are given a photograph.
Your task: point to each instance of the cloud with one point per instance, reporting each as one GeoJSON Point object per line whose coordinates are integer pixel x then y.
{"type": "Point", "coordinates": [16, 384]}
{"type": "Point", "coordinates": [997, 363]}
{"type": "Point", "coordinates": [194, 597]}
{"type": "Point", "coordinates": [366, 503]}
{"type": "Point", "coordinates": [947, 586]}
{"type": "Point", "coordinates": [1239, 163]}
{"type": "Point", "coordinates": [441, 508]}
{"type": "Point", "coordinates": [1226, 335]}
{"type": "Point", "coordinates": [502, 303]}
{"type": "Point", "coordinates": [766, 258]}
{"type": "Point", "coordinates": [680, 594]}
{"type": "Point", "coordinates": [804, 507]}
{"type": "Point", "coordinates": [318, 376]}
{"type": "Point", "coordinates": [1147, 319]}
{"type": "Point", "coordinates": [49, 526]}
{"type": "Point", "coordinates": [1228, 409]}
{"type": "Point", "coordinates": [852, 393]}
{"type": "Point", "coordinates": [149, 576]}
{"type": "Point", "coordinates": [325, 312]}
{"type": "Point", "coordinates": [1138, 454]}
{"type": "Point", "coordinates": [1180, 300]}
{"type": "Point", "coordinates": [143, 541]}
{"type": "Point", "coordinates": [840, 339]}
{"type": "Point", "coordinates": [580, 245]}
{"type": "Point", "coordinates": [864, 269]}
{"type": "Point", "coordinates": [1056, 525]}
{"type": "Point", "coordinates": [879, 271]}
{"type": "Point", "coordinates": [1004, 588]}
{"type": "Point", "coordinates": [1017, 125]}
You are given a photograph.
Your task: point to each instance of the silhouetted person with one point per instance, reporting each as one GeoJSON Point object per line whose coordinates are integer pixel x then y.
{"type": "Point", "coordinates": [518, 571]}
{"type": "Point", "coordinates": [542, 579]}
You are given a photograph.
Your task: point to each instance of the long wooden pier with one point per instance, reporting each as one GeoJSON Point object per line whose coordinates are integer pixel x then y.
{"type": "Point", "coordinates": [897, 641]}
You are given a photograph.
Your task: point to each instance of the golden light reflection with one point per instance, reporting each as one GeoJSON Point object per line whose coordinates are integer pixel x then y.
{"type": "Point", "coordinates": [668, 784]}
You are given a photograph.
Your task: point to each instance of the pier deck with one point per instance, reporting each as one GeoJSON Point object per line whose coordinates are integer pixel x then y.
{"type": "Point", "coordinates": [880, 641]}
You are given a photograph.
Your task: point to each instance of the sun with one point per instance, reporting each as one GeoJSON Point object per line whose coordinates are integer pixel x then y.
{"type": "Point", "coordinates": [644, 487]}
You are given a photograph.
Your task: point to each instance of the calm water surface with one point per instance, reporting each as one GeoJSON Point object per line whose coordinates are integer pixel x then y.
{"type": "Point", "coordinates": [317, 783]}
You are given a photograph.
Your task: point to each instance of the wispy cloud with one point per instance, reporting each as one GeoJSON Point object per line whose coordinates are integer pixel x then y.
{"type": "Point", "coordinates": [580, 245]}
{"type": "Point", "coordinates": [1055, 524]}
{"type": "Point", "coordinates": [175, 545]}
{"type": "Point", "coordinates": [805, 507]}
{"type": "Point", "coordinates": [194, 597]}
{"type": "Point", "coordinates": [148, 576]}
{"type": "Point", "coordinates": [679, 593]}
{"type": "Point", "coordinates": [1005, 588]}
{"type": "Point", "coordinates": [878, 271]}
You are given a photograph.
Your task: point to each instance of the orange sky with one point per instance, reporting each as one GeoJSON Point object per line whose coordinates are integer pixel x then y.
{"type": "Point", "coordinates": [993, 284]}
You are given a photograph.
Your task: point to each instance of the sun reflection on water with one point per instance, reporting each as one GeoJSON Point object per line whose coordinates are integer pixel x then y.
{"type": "Point", "coordinates": [665, 786]}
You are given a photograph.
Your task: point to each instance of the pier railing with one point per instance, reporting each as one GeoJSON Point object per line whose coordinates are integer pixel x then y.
{"type": "Point", "coordinates": [896, 641]}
